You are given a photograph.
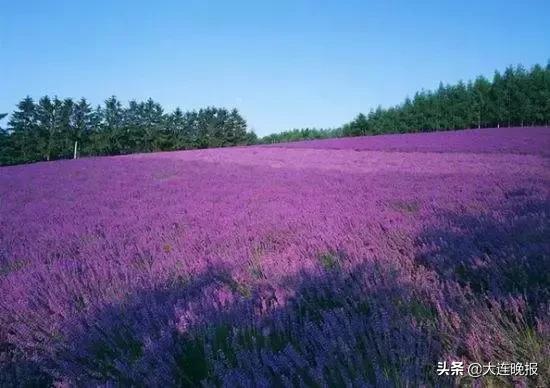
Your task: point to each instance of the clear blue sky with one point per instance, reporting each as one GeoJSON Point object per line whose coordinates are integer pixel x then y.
{"type": "Point", "coordinates": [283, 64]}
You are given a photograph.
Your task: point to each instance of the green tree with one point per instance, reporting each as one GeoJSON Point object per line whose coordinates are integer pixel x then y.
{"type": "Point", "coordinates": [6, 149]}
{"type": "Point", "coordinates": [24, 129]}
{"type": "Point", "coordinates": [112, 138]}
{"type": "Point", "coordinates": [357, 127]}
{"type": "Point", "coordinates": [179, 130]}
{"type": "Point", "coordinates": [481, 90]}
{"type": "Point", "coordinates": [83, 121]}
{"type": "Point", "coordinates": [238, 129]}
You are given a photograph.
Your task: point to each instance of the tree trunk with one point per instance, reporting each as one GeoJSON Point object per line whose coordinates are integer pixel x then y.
{"type": "Point", "coordinates": [75, 149]}
{"type": "Point", "coordinates": [479, 120]}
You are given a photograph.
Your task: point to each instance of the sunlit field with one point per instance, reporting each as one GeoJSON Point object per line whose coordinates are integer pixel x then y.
{"type": "Point", "coordinates": [343, 262]}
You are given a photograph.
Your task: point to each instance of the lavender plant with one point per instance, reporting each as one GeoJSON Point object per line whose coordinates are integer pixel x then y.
{"type": "Point", "coordinates": [349, 262]}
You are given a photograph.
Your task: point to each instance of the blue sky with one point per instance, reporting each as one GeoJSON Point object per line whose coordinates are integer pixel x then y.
{"type": "Point", "coordinates": [283, 64]}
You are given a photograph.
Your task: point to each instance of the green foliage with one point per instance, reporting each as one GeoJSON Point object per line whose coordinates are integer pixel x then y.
{"type": "Point", "coordinates": [515, 98]}
{"type": "Point", "coordinates": [301, 134]}
{"type": "Point", "coordinates": [51, 128]}
{"type": "Point", "coordinates": [410, 207]}
{"type": "Point", "coordinates": [329, 261]}
{"type": "Point", "coordinates": [359, 126]}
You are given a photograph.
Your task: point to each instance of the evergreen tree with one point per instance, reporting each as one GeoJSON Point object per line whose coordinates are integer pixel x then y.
{"type": "Point", "coordinates": [359, 126]}
{"type": "Point", "coordinates": [24, 132]}
{"type": "Point", "coordinates": [50, 129]}
{"type": "Point", "coordinates": [113, 135]}
{"type": "Point", "coordinates": [238, 129]}
{"type": "Point", "coordinates": [481, 90]}
{"type": "Point", "coordinates": [6, 149]}
{"type": "Point", "coordinates": [154, 136]}
{"type": "Point", "coordinates": [178, 131]}
{"type": "Point", "coordinates": [498, 98]}
{"type": "Point", "coordinates": [82, 124]}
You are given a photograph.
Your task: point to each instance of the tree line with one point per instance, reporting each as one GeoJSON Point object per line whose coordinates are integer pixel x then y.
{"type": "Point", "coordinates": [516, 97]}
{"type": "Point", "coordinates": [301, 134]}
{"type": "Point", "coordinates": [54, 128]}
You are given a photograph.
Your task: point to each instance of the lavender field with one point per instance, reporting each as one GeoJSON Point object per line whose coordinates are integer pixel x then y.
{"type": "Point", "coordinates": [344, 262]}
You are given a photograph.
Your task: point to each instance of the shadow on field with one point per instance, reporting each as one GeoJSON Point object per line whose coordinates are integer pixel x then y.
{"type": "Point", "coordinates": [372, 323]}
{"type": "Point", "coordinates": [364, 327]}
{"type": "Point", "coordinates": [499, 261]}
{"type": "Point", "coordinates": [506, 252]}
{"type": "Point", "coordinates": [16, 370]}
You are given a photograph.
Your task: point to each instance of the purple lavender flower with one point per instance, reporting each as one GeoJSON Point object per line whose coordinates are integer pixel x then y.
{"type": "Point", "coordinates": [345, 262]}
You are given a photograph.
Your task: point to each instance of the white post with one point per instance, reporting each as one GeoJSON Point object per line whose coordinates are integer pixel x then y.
{"type": "Point", "coordinates": [75, 149]}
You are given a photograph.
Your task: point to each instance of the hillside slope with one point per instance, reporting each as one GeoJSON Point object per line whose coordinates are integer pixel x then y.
{"type": "Point", "coordinates": [306, 262]}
